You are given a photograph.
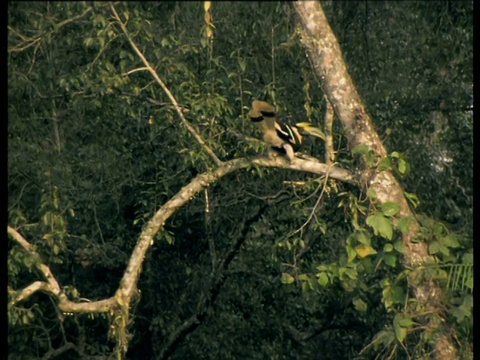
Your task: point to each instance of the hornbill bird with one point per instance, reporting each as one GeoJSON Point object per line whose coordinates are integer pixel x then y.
{"type": "Point", "coordinates": [283, 138]}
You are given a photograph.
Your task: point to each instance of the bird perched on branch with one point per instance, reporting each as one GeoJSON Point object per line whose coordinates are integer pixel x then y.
{"type": "Point", "coordinates": [281, 137]}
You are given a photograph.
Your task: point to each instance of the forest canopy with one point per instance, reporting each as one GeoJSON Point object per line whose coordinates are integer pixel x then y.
{"type": "Point", "coordinates": [148, 218]}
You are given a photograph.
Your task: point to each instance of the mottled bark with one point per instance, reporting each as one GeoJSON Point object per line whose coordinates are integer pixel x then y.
{"type": "Point", "coordinates": [324, 52]}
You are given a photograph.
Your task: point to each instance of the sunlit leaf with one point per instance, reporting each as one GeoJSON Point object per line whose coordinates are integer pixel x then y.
{"type": "Point", "coordinates": [364, 250]}
{"type": "Point", "coordinates": [323, 279]}
{"type": "Point", "coordinates": [287, 278]}
{"type": "Point", "coordinates": [381, 225]}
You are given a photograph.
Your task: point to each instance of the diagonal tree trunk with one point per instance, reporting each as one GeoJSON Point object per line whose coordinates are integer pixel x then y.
{"type": "Point", "coordinates": [324, 51]}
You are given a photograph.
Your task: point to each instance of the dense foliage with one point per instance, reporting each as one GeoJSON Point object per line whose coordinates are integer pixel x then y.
{"type": "Point", "coordinates": [95, 147]}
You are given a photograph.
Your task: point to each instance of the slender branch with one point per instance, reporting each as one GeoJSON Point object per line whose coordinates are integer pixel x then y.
{"type": "Point", "coordinates": [157, 78]}
{"type": "Point", "coordinates": [53, 353]}
{"type": "Point", "coordinates": [135, 70]}
{"type": "Point", "coordinates": [27, 42]}
{"type": "Point", "coordinates": [312, 213]}
{"type": "Point", "coordinates": [51, 285]}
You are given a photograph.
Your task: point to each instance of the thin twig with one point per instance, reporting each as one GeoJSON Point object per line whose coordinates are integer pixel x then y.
{"type": "Point", "coordinates": [317, 203]}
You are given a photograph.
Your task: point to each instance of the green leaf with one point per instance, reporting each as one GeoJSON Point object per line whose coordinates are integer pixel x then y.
{"type": "Point", "coordinates": [390, 208]}
{"type": "Point", "coordinates": [372, 194]}
{"type": "Point", "coordinates": [88, 42]}
{"type": "Point", "coordinates": [404, 224]}
{"type": "Point", "coordinates": [323, 278]}
{"type": "Point", "coordinates": [405, 321]}
{"type": "Point", "coordinates": [350, 272]}
{"type": "Point", "coordinates": [460, 313]}
{"type": "Point", "coordinates": [381, 225]}
{"type": "Point", "coordinates": [392, 294]}
{"type": "Point", "coordinates": [412, 198]}
{"type": "Point", "coordinates": [463, 311]}
{"type": "Point", "coordinates": [351, 253]}
{"type": "Point", "coordinates": [360, 305]}
{"type": "Point", "coordinates": [400, 332]}
{"type": "Point", "coordinates": [361, 149]}
{"type": "Point", "coordinates": [287, 278]}
{"type": "Point", "coordinates": [403, 167]}
{"type": "Point", "coordinates": [449, 240]}
{"type": "Point", "coordinates": [388, 248]}
{"type": "Point", "coordinates": [390, 259]}
{"type": "Point", "coordinates": [444, 250]}
{"type": "Point", "coordinates": [467, 258]}
{"type": "Point", "coordinates": [383, 338]}
{"type": "Point", "coordinates": [363, 237]}
{"type": "Point", "coordinates": [401, 323]}
{"type": "Point", "coordinates": [370, 158]}
{"type": "Point", "coordinates": [433, 247]}
{"type": "Point", "coordinates": [384, 164]}
{"type": "Point", "coordinates": [243, 65]}
{"type": "Point", "coordinates": [101, 41]}
{"type": "Point", "coordinates": [399, 246]}
{"type": "Point", "coordinates": [168, 237]}
{"type": "Point", "coordinates": [303, 277]}
{"type": "Point", "coordinates": [439, 229]}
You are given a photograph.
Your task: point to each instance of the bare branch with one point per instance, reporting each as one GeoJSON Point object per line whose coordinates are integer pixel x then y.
{"type": "Point", "coordinates": [314, 210]}
{"type": "Point", "coordinates": [157, 78]}
{"type": "Point", "coordinates": [51, 285]}
{"type": "Point", "coordinates": [132, 273]}
{"type": "Point", "coordinates": [28, 291]}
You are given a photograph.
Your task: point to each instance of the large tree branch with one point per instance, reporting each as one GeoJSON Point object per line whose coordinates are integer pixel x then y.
{"type": "Point", "coordinates": [130, 278]}
{"type": "Point", "coordinates": [128, 283]}
{"type": "Point", "coordinates": [327, 60]}
{"type": "Point", "coordinates": [122, 299]}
